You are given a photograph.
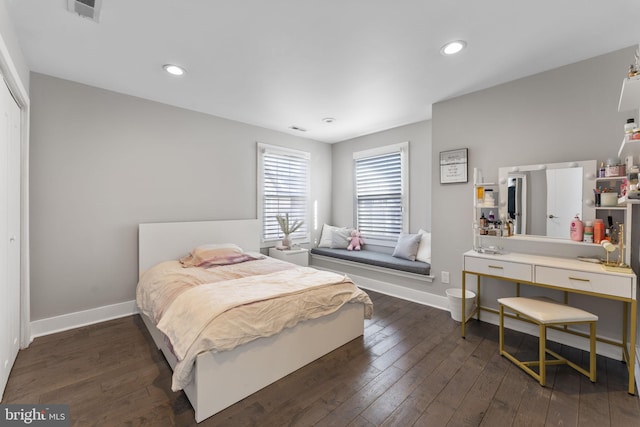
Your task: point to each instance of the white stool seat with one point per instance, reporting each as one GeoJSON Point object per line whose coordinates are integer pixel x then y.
{"type": "Point", "coordinates": [547, 311]}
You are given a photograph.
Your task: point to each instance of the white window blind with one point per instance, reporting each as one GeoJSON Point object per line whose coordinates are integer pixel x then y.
{"type": "Point", "coordinates": [284, 187]}
{"type": "Point", "coordinates": [381, 192]}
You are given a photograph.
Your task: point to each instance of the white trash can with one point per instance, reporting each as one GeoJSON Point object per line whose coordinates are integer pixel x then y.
{"type": "Point", "coordinates": [455, 303]}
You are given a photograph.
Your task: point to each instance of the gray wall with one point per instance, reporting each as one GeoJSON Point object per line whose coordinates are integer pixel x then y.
{"type": "Point", "coordinates": [419, 137]}
{"type": "Point", "coordinates": [102, 162]}
{"type": "Point", "coordinates": [569, 113]}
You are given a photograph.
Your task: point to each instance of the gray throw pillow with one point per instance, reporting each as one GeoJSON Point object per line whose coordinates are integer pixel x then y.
{"type": "Point", "coordinates": [407, 246]}
{"type": "Point", "coordinates": [340, 238]}
{"type": "Point", "coordinates": [327, 233]}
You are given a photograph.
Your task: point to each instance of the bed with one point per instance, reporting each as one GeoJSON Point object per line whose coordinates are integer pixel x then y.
{"type": "Point", "coordinates": [220, 379]}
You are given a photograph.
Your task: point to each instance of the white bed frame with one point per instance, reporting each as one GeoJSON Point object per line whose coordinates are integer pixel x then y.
{"type": "Point", "coordinates": [222, 379]}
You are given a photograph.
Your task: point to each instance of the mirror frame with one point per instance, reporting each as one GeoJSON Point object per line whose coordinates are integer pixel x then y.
{"type": "Point", "coordinates": [588, 185]}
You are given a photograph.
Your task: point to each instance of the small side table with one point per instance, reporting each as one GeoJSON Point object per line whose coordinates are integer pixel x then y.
{"type": "Point", "coordinates": [295, 256]}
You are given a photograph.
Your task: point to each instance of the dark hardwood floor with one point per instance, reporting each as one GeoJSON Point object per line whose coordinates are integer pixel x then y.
{"type": "Point", "coordinates": [411, 368]}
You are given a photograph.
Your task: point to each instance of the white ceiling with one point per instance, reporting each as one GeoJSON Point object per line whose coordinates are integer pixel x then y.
{"type": "Point", "coordinates": [371, 64]}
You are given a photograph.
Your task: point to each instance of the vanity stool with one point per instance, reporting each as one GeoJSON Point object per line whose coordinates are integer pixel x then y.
{"type": "Point", "coordinates": [546, 312]}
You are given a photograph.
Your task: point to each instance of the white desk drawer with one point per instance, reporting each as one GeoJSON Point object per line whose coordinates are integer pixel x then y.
{"type": "Point", "coordinates": [504, 269]}
{"type": "Point", "coordinates": [582, 281]}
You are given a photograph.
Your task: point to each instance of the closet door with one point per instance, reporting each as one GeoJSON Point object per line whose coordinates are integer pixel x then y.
{"type": "Point", "coordinates": [9, 233]}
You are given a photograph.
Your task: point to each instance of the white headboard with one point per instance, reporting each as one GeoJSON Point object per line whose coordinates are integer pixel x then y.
{"type": "Point", "coordinates": [165, 241]}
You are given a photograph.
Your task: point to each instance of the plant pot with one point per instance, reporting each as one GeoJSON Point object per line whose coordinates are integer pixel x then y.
{"type": "Point", "coordinates": [286, 241]}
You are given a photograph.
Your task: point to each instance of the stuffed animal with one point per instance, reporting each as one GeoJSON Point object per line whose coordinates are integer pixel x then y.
{"type": "Point", "coordinates": [355, 241]}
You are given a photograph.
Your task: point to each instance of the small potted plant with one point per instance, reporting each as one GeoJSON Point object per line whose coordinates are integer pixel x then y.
{"type": "Point", "coordinates": [288, 228]}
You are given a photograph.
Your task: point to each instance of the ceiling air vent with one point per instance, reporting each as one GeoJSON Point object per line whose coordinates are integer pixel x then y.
{"type": "Point", "coordinates": [86, 8]}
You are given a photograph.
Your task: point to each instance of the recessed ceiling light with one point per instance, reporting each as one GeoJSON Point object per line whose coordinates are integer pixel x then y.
{"type": "Point", "coordinates": [452, 48]}
{"type": "Point", "coordinates": [173, 69]}
{"type": "Point", "coordinates": [328, 120]}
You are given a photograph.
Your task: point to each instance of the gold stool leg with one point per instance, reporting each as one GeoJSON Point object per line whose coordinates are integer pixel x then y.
{"type": "Point", "coordinates": [501, 329]}
{"type": "Point", "coordinates": [592, 352]}
{"type": "Point", "coordinates": [543, 354]}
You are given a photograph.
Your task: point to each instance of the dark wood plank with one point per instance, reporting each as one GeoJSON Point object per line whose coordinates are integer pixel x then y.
{"type": "Point", "coordinates": [624, 411]}
{"type": "Point", "coordinates": [476, 402]}
{"type": "Point", "coordinates": [448, 358]}
{"type": "Point", "coordinates": [440, 411]}
{"type": "Point", "coordinates": [504, 405]}
{"type": "Point", "coordinates": [594, 411]}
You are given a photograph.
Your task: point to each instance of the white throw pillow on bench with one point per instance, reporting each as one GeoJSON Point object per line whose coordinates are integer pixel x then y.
{"type": "Point", "coordinates": [424, 250]}
{"type": "Point", "coordinates": [326, 238]}
{"type": "Point", "coordinates": [407, 246]}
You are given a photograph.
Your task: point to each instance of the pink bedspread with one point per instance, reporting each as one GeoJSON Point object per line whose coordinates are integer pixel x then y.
{"type": "Point", "coordinates": [223, 307]}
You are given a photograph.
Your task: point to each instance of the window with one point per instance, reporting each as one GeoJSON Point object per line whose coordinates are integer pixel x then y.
{"type": "Point", "coordinates": [283, 188]}
{"type": "Point", "coordinates": [381, 189]}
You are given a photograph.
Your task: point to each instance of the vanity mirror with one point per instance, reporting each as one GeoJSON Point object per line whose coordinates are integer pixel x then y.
{"type": "Point", "coordinates": [542, 199]}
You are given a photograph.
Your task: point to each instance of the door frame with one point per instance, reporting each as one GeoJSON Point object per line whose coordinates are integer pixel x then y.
{"type": "Point", "coordinates": [16, 87]}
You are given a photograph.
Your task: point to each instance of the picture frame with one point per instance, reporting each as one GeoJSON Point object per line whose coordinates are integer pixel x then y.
{"type": "Point", "coordinates": [454, 166]}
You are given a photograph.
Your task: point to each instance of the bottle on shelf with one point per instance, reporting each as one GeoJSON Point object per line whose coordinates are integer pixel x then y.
{"type": "Point", "coordinates": [588, 232]}
{"type": "Point", "coordinates": [598, 231]}
{"type": "Point", "coordinates": [489, 200]}
{"type": "Point", "coordinates": [577, 229]}
{"type": "Point", "coordinates": [483, 224]}
{"type": "Point", "coordinates": [480, 195]}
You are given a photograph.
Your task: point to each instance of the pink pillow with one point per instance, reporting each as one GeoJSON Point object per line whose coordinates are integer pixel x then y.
{"type": "Point", "coordinates": [211, 254]}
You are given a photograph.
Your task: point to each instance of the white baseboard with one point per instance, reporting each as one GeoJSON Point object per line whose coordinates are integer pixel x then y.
{"type": "Point", "coordinates": [78, 319]}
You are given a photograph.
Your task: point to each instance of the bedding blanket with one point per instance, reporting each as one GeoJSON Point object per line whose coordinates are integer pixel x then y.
{"type": "Point", "coordinates": [222, 307]}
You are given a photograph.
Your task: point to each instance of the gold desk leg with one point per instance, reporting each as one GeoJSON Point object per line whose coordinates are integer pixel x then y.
{"type": "Point", "coordinates": [632, 351]}
{"type": "Point", "coordinates": [625, 326]}
{"type": "Point", "coordinates": [566, 302]}
{"type": "Point", "coordinates": [464, 288]}
{"type": "Point", "coordinates": [478, 297]}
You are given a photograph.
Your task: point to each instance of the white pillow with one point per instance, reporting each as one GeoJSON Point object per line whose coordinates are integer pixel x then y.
{"type": "Point", "coordinates": [424, 250]}
{"type": "Point", "coordinates": [340, 238]}
{"type": "Point", "coordinates": [327, 235]}
{"type": "Point", "coordinates": [407, 246]}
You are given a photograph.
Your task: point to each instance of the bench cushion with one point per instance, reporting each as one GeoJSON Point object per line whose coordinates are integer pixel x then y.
{"type": "Point", "coordinates": [378, 259]}
{"type": "Point", "coordinates": [545, 310]}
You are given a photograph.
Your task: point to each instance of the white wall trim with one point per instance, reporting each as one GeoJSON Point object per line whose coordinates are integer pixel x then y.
{"type": "Point", "coordinates": [78, 319]}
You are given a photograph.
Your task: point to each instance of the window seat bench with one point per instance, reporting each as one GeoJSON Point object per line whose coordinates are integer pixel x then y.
{"type": "Point", "coordinates": [376, 259]}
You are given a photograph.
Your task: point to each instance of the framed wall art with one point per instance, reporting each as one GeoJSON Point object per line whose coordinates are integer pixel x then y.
{"type": "Point", "coordinates": [453, 166]}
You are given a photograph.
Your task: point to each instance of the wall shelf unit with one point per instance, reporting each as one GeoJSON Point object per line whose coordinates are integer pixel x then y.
{"type": "Point", "coordinates": [615, 214]}
{"type": "Point", "coordinates": [630, 94]}
{"type": "Point", "coordinates": [486, 221]}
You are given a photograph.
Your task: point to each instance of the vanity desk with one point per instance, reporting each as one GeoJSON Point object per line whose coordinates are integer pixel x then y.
{"type": "Point", "coordinates": [563, 274]}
